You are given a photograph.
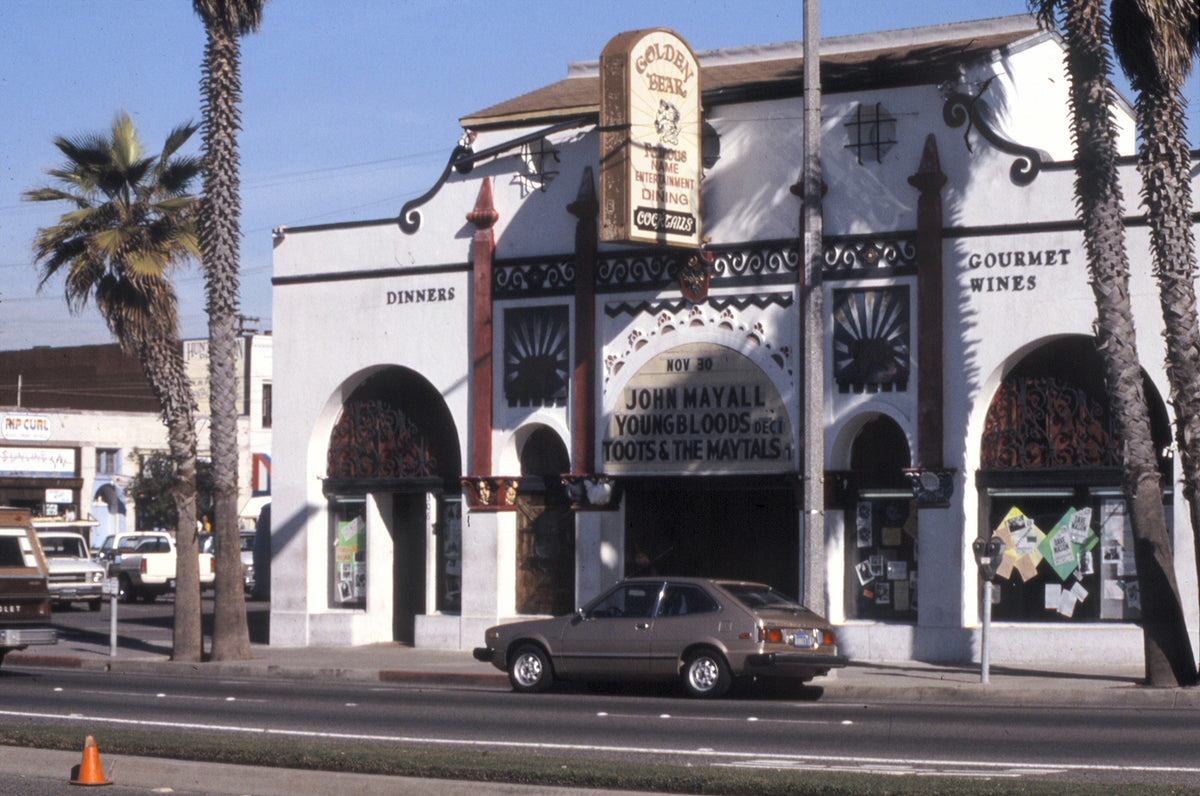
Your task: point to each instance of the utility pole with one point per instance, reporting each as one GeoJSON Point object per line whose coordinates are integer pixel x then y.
{"type": "Point", "coordinates": [814, 326]}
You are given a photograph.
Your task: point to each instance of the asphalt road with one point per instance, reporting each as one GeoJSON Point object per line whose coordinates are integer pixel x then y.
{"type": "Point", "coordinates": [1077, 745]}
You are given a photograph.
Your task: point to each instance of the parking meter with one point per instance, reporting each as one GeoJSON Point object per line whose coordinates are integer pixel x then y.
{"type": "Point", "coordinates": [988, 554]}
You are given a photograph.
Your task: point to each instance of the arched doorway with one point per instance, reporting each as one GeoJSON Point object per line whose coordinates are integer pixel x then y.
{"type": "Point", "coordinates": [394, 453]}
{"type": "Point", "coordinates": [881, 526]}
{"type": "Point", "coordinates": [1050, 485]}
{"type": "Point", "coordinates": [545, 527]}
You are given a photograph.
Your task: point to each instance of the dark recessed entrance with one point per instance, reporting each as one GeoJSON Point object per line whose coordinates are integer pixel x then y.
{"type": "Point", "coordinates": [714, 527]}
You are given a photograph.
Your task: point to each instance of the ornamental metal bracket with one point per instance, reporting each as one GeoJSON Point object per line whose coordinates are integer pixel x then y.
{"type": "Point", "coordinates": [596, 492]}
{"type": "Point", "coordinates": [932, 487]}
{"type": "Point", "coordinates": [463, 160]}
{"type": "Point", "coordinates": [973, 111]}
{"type": "Point", "coordinates": [491, 493]}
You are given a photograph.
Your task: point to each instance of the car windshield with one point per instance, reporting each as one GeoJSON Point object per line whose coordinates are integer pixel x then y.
{"type": "Point", "coordinates": [63, 548]}
{"type": "Point", "coordinates": [756, 596]}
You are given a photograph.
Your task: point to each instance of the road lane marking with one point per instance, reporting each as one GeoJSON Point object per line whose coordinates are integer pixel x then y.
{"type": "Point", "coordinates": [858, 763]}
{"type": "Point", "coordinates": [603, 714]}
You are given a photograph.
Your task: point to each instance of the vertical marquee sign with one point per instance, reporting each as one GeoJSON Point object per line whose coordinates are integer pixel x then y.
{"type": "Point", "coordinates": [650, 140]}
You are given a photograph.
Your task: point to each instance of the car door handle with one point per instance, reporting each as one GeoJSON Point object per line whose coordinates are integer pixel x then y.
{"type": "Point", "coordinates": [642, 625]}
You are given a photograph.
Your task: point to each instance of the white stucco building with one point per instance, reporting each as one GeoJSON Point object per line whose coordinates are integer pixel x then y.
{"type": "Point", "coordinates": [486, 411]}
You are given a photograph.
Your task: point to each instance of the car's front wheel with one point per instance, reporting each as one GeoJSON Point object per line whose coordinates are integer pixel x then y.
{"type": "Point", "coordinates": [706, 674]}
{"type": "Point", "coordinates": [529, 669]}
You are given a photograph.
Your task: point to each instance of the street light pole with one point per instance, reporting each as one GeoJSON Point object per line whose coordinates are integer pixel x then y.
{"type": "Point", "coordinates": [814, 327]}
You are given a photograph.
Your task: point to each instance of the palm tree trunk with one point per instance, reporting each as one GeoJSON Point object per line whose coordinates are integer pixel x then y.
{"type": "Point", "coordinates": [1168, 653]}
{"type": "Point", "coordinates": [162, 362]}
{"type": "Point", "coordinates": [220, 235]}
{"type": "Point", "coordinates": [1164, 162]}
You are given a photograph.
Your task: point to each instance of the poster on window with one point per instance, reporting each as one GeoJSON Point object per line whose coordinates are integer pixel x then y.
{"type": "Point", "coordinates": [863, 531]}
{"type": "Point", "coordinates": [1069, 539]}
{"type": "Point", "coordinates": [350, 561]}
{"type": "Point", "coordinates": [451, 533]}
{"type": "Point", "coordinates": [1119, 596]}
{"type": "Point", "coordinates": [1021, 538]}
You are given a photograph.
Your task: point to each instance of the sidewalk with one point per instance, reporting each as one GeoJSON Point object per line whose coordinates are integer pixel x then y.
{"type": "Point", "coordinates": [1115, 685]}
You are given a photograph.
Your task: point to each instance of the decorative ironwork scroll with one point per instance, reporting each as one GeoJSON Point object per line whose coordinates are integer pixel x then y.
{"type": "Point", "coordinates": [548, 277]}
{"type": "Point", "coordinates": [373, 439]}
{"type": "Point", "coordinates": [766, 263]}
{"type": "Point", "coordinates": [1041, 421]}
{"type": "Point", "coordinates": [856, 258]}
{"type": "Point", "coordinates": [972, 111]}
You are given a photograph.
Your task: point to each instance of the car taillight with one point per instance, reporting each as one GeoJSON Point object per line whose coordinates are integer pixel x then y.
{"type": "Point", "coordinates": [771, 635]}
{"type": "Point", "coordinates": [828, 637]}
{"type": "Point", "coordinates": [145, 566]}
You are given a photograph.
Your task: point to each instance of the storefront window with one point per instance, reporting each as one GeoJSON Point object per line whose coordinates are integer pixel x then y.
{"type": "Point", "coordinates": [348, 562]}
{"type": "Point", "coordinates": [882, 556]}
{"type": "Point", "coordinates": [1068, 556]}
{"type": "Point", "coordinates": [1049, 485]}
{"type": "Point", "coordinates": [881, 526]}
{"type": "Point", "coordinates": [449, 587]}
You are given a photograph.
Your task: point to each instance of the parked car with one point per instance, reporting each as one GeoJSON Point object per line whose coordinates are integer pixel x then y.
{"type": "Point", "coordinates": [245, 546]}
{"type": "Point", "coordinates": [24, 585]}
{"type": "Point", "coordinates": [74, 575]}
{"type": "Point", "coordinates": [148, 570]}
{"type": "Point", "coordinates": [703, 632]}
{"type": "Point", "coordinates": [113, 547]}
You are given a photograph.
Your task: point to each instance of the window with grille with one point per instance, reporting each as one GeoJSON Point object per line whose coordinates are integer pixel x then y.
{"type": "Point", "coordinates": [871, 132]}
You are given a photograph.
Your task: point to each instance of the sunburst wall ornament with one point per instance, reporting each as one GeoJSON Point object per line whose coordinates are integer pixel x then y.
{"type": "Point", "coordinates": [871, 339]}
{"type": "Point", "coordinates": [536, 357]}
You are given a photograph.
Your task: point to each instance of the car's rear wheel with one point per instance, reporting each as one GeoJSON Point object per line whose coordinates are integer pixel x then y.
{"type": "Point", "coordinates": [706, 674]}
{"type": "Point", "coordinates": [529, 669]}
{"type": "Point", "coordinates": [94, 605]}
{"type": "Point", "coordinates": [125, 587]}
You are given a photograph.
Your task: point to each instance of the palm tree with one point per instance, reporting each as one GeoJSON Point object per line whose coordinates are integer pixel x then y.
{"type": "Point", "coordinates": [225, 21]}
{"type": "Point", "coordinates": [1168, 653]}
{"type": "Point", "coordinates": [1156, 41]}
{"type": "Point", "coordinates": [132, 221]}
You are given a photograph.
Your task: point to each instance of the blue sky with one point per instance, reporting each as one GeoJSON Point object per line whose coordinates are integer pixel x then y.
{"type": "Point", "coordinates": [349, 109]}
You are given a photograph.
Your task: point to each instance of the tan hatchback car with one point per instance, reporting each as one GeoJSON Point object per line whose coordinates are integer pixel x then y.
{"type": "Point", "coordinates": [704, 632]}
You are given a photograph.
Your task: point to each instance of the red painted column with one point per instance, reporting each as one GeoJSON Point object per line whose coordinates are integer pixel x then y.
{"type": "Point", "coordinates": [583, 423]}
{"type": "Point", "coordinates": [483, 250]}
{"type": "Point", "coordinates": [929, 180]}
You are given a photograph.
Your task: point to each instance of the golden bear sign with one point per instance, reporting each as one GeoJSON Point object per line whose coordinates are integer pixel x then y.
{"type": "Point", "coordinates": [650, 140]}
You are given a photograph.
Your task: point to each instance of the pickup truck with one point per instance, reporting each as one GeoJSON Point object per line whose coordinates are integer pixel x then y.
{"type": "Point", "coordinates": [145, 565]}
{"type": "Point", "coordinates": [24, 585]}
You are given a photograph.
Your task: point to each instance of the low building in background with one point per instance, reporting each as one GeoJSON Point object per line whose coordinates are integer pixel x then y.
{"type": "Point", "coordinates": [78, 420]}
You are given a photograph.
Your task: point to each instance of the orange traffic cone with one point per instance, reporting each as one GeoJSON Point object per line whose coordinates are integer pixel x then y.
{"type": "Point", "coordinates": [89, 771]}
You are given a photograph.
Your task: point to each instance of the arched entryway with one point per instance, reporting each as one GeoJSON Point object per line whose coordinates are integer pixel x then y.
{"type": "Point", "coordinates": [394, 455]}
{"type": "Point", "coordinates": [881, 525]}
{"type": "Point", "coordinates": [1050, 485]}
{"type": "Point", "coordinates": [545, 527]}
